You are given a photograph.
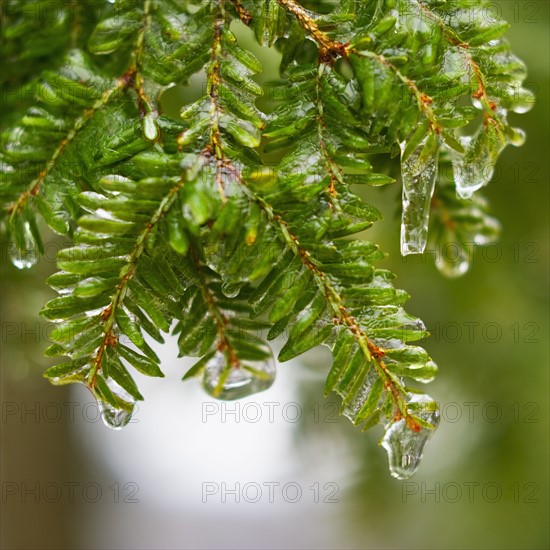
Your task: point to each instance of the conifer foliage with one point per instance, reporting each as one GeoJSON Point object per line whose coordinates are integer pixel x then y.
{"type": "Point", "coordinates": [188, 224]}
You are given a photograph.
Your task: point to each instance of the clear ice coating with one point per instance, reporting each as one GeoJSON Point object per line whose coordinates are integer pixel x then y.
{"type": "Point", "coordinates": [351, 409]}
{"type": "Point", "coordinates": [24, 253]}
{"type": "Point", "coordinates": [474, 169]}
{"type": "Point", "coordinates": [419, 175]}
{"type": "Point", "coordinates": [404, 445]}
{"type": "Point", "coordinates": [227, 383]}
{"type": "Point", "coordinates": [112, 417]}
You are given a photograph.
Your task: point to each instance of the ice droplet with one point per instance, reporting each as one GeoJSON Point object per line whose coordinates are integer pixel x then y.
{"type": "Point", "coordinates": [24, 253]}
{"type": "Point", "coordinates": [454, 261]}
{"type": "Point", "coordinates": [419, 175]}
{"type": "Point", "coordinates": [522, 100]}
{"type": "Point", "coordinates": [231, 290]}
{"type": "Point", "coordinates": [517, 137]}
{"type": "Point", "coordinates": [474, 169]}
{"type": "Point", "coordinates": [403, 444]}
{"type": "Point", "coordinates": [227, 382]}
{"type": "Point", "coordinates": [150, 127]}
{"type": "Point", "coordinates": [112, 417]}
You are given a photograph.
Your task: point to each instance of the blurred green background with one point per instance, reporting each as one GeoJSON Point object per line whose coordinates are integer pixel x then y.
{"type": "Point", "coordinates": [68, 482]}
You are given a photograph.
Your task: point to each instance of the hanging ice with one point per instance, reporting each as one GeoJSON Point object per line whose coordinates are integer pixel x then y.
{"type": "Point", "coordinates": [453, 267]}
{"type": "Point", "coordinates": [231, 290]}
{"type": "Point", "coordinates": [476, 166]}
{"type": "Point", "coordinates": [226, 382]}
{"type": "Point", "coordinates": [521, 100]}
{"type": "Point", "coordinates": [452, 259]}
{"type": "Point", "coordinates": [24, 253]}
{"type": "Point", "coordinates": [419, 173]}
{"type": "Point", "coordinates": [112, 417]}
{"type": "Point", "coordinates": [403, 444]}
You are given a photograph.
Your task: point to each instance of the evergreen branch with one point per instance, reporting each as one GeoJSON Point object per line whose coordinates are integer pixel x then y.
{"type": "Point", "coordinates": [423, 100]}
{"type": "Point", "coordinates": [108, 315]}
{"type": "Point", "coordinates": [148, 110]}
{"type": "Point", "coordinates": [184, 220]}
{"type": "Point", "coordinates": [121, 84]}
{"type": "Point", "coordinates": [220, 319]}
{"type": "Point", "coordinates": [332, 168]}
{"type": "Point", "coordinates": [341, 314]}
{"type": "Point", "coordinates": [329, 49]}
{"type": "Point", "coordinates": [463, 46]}
{"type": "Point", "coordinates": [244, 15]}
{"type": "Point", "coordinates": [214, 80]}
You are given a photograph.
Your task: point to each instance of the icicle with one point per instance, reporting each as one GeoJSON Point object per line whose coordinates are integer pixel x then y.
{"type": "Point", "coordinates": [419, 173]}
{"type": "Point", "coordinates": [24, 253]}
{"type": "Point", "coordinates": [476, 166]}
{"type": "Point", "coordinates": [403, 444]}
{"type": "Point", "coordinates": [224, 382]}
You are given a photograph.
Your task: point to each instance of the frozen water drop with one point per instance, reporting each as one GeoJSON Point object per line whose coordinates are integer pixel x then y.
{"type": "Point", "coordinates": [477, 104]}
{"type": "Point", "coordinates": [522, 100]}
{"type": "Point", "coordinates": [231, 290]}
{"type": "Point", "coordinates": [403, 444]}
{"type": "Point", "coordinates": [419, 175]}
{"type": "Point", "coordinates": [150, 127]}
{"type": "Point", "coordinates": [488, 233]}
{"type": "Point", "coordinates": [404, 448]}
{"type": "Point", "coordinates": [24, 253]}
{"type": "Point", "coordinates": [474, 169]}
{"type": "Point", "coordinates": [424, 373]}
{"type": "Point", "coordinates": [112, 417]}
{"type": "Point", "coordinates": [453, 265]}
{"type": "Point", "coordinates": [517, 137]}
{"type": "Point", "coordinates": [234, 382]}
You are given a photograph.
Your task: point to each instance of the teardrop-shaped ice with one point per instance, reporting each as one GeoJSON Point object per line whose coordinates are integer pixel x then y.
{"type": "Point", "coordinates": [521, 100]}
{"type": "Point", "coordinates": [476, 166]}
{"type": "Point", "coordinates": [227, 382]}
{"type": "Point", "coordinates": [24, 253]}
{"type": "Point", "coordinates": [452, 267]}
{"type": "Point", "coordinates": [404, 444]}
{"type": "Point", "coordinates": [112, 417]}
{"type": "Point", "coordinates": [452, 260]}
{"type": "Point", "coordinates": [150, 127]}
{"type": "Point", "coordinates": [419, 174]}
{"type": "Point", "coordinates": [516, 136]}
{"type": "Point", "coordinates": [231, 290]}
